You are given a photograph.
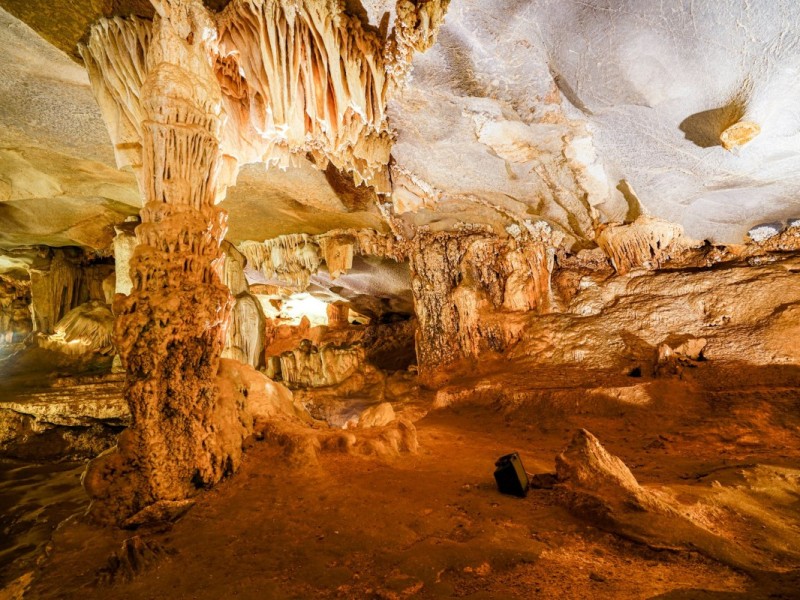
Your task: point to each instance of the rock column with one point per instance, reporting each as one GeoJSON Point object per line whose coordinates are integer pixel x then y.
{"type": "Point", "coordinates": [171, 327]}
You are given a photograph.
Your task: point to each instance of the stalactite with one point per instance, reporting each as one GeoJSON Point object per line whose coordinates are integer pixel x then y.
{"type": "Point", "coordinates": [245, 339]}
{"type": "Point", "coordinates": [312, 366]}
{"type": "Point", "coordinates": [291, 259]}
{"type": "Point", "coordinates": [233, 270]}
{"type": "Point", "coordinates": [415, 31]}
{"type": "Point", "coordinates": [15, 314]}
{"type": "Point", "coordinates": [54, 291]}
{"type": "Point", "coordinates": [338, 253]}
{"type": "Point", "coordinates": [86, 329]}
{"type": "Point", "coordinates": [115, 58]}
{"type": "Point", "coordinates": [315, 81]}
{"type": "Point", "coordinates": [644, 243]}
{"type": "Point", "coordinates": [296, 76]}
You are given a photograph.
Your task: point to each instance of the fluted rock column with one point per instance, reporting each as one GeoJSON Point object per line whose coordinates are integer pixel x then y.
{"type": "Point", "coordinates": [464, 281]}
{"type": "Point", "coordinates": [171, 327]}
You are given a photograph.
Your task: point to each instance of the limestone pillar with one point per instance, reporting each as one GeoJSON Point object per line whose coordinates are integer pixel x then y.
{"type": "Point", "coordinates": [171, 326]}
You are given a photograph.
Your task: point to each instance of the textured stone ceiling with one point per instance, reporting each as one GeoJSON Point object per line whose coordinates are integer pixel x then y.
{"type": "Point", "coordinates": [577, 112]}
{"type": "Point", "coordinates": [58, 181]}
{"type": "Point", "coordinates": [539, 103]}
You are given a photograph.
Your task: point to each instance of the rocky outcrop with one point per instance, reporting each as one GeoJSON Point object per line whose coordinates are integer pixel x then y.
{"type": "Point", "coordinates": [587, 469]}
{"type": "Point", "coordinates": [70, 419]}
{"type": "Point", "coordinates": [734, 312]}
{"type": "Point", "coordinates": [599, 487]}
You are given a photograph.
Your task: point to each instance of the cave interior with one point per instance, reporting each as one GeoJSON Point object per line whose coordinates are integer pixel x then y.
{"type": "Point", "coordinates": [281, 280]}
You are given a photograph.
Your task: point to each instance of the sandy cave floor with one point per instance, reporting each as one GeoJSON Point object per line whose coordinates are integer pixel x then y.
{"type": "Point", "coordinates": [433, 524]}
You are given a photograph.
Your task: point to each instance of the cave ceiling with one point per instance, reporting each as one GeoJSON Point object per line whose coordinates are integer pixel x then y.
{"type": "Point", "coordinates": [578, 113]}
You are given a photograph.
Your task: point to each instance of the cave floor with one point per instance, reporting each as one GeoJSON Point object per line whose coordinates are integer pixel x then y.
{"type": "Point", "coordinates": [433, 525]}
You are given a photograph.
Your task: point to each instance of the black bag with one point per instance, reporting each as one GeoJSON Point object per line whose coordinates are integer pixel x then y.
{"type": "Point", "coordinates": [511, 477]}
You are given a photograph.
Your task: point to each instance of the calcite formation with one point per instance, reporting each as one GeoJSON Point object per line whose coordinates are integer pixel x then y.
{"type": "Point", "coordinates": [246, 330]}
{"type": "Point", "coordinates": [295, 78]}
{"type": "Point", "coordinates": [460, 276]}
{"type": "Point", "coordinates": [646, 242]}
{"type": "Point", "coordinates": [85, 329]}
{"type": "Point", "coordinates": [318, 366]}
{"type": "Point", "coordinates": [570, 216]}
{"type": "Point", "coordinates": [62, 279]}
{"type": "Point", "coordinates": [54, 290]}
{"type": "Point", "coordinates": [291, 260]}
{"type": "Point", "coordinates": [170, 329]}
{"type": "Point", "coordinates": [187, 98]}
{"type": "Point", "coordinates": [15, 318]}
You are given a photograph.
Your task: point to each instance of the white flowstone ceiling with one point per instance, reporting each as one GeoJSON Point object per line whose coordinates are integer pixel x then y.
{"type": "Point", "coordinates": [579, 112]}
{"type": "Point", "coordinates": [642, 91]}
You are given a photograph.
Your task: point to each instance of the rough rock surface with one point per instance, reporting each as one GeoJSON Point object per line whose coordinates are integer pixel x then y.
{"type": "Point", "coordinates": [457, 277]}
{"type": "Point", "coordinates": [601, 488]}
{"type": "Point", "coordinates": [70, 419]}
{"type": "Point", "coordinates": [744, 313]}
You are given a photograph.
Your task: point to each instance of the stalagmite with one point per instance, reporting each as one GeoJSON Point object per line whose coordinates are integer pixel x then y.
{"type": "Point", "coordinates": [245, 335]}
{"type": "Point", "coordinates": [187, 98]}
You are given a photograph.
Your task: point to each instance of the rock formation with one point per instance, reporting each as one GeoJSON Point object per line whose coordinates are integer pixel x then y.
{"type": "Point", "coordinates": [569, 217]}
{"type": "Point", "coordinates": [247, 327]}
{"type": "Point", "coordinates": [54, 291]}
{"type": "Point", "coordinates": [87, 328]}
{"type": "Point", "coordinates": [170, 329]}
{"type": "Point", "coordinates": [313, 366]}
{"type": "Point", "coordinates": [187, 98]}
{"type": "Point", "coordinates": [459, 276]}
{"type": "Point", "coordinates": [15, 317]}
